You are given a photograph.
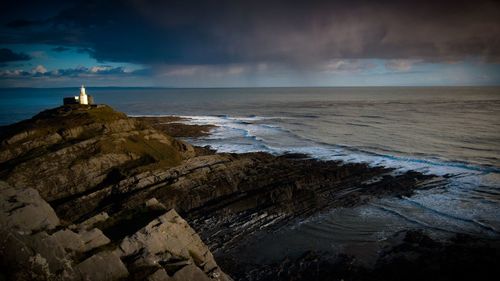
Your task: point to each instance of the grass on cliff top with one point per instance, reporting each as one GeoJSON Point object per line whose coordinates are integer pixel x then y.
{"type": "Point", "coordinates": [160, 154]}
{"type": "Point", "coordinates": [60, 118]}
{"type": "Point", "coordinates": [76, 115]}
{"type": "Point", "coordinates": [72, 116]}
{"type": "Point", "coordinates": [66, 117]}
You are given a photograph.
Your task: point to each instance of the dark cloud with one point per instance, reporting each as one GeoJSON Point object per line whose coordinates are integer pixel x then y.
{"type": "Point", "coordinates": [21, 23]}
{"type": "Point", "coordinates": [85, 51]}
{"type": "Point", "coordinates": [60, 49]}
{"type": "Point", "coordinates": [7, 55]}
{"type": "Point", "coordinates": [299, 33]}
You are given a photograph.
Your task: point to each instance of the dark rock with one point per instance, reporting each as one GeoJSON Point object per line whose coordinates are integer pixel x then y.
{"type": "Point", "coordinates": [171, 126]}
{"type": "Point", "coordinates": [111, 179]}
{"type": "Point", "coordinates": [470, 259]}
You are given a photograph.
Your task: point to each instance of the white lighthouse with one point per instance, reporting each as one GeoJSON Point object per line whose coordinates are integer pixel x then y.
{"type": "Point", "coordinates": [83, 96]}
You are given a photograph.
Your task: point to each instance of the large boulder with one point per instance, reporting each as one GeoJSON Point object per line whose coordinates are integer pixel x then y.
{"type": "Point", "coordinates": [24, 210]}
{"type": "Point", "coordinates": [170, 242]}
{"type": "Point", "coordinates": [25, 246]}
{"type": "Point", "coordinates": [32, 249]}
{"type": "Point", "coordinates": [102, 266]}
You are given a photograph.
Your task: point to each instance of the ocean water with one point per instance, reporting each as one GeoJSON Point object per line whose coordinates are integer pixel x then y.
{"type": "Point", "coordinates": [445, 131]}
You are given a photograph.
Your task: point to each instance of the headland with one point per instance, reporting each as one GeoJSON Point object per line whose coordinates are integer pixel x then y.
{"type": "Point", "coordinates": [88, 193]}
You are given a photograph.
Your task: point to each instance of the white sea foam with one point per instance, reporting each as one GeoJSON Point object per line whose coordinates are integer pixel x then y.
{"type": "Point", "coordinates": [277, 140]}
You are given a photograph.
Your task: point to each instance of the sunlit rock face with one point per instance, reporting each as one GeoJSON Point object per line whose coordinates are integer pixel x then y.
{"type": "Point", "coordinates": [72, 149]}
{"type": "Point", "coordinates": [35, 246]}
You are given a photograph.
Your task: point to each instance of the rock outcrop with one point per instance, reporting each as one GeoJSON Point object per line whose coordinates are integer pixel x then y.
{"type": "Point", "coordinates": [71, 150]}
{"type": "Point", "coordinates": [30, 211]}
{"type": "Point", "coordinates": [247, 192]}
{"type": "Point", "coordinates": [169, 244]}
{"type": "Point", "coordinates": [35, 246]}
{"type": "Point", "coordinates": [116, 185]}
{"type": "Point", "coordinates": [172, 126]}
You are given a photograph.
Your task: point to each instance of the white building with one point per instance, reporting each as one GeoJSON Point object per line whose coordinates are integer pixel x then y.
{"type": "Point", "coordinates": [83, 98]}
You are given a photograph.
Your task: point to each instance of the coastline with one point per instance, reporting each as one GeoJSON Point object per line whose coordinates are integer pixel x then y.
{"type": "Point", "coordinates": [173, 126]}
{"type": "Point", "coordinates": [401, 254]}
{"type": "Point", "coordinates": [135, 172]}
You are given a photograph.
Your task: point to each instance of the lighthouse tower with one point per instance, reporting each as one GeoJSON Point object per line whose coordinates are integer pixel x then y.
{"type": "Point", "coordinates": [83, 96]}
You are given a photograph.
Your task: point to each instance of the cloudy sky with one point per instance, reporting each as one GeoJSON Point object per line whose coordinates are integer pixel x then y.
{"type": "Point", "coordinates": [248, 43]}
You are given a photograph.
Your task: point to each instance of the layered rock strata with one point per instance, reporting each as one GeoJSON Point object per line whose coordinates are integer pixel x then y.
{"type": "Point", "coordinates": [114, 183]}
{"type": "Point", "coordinates": [35, 246]}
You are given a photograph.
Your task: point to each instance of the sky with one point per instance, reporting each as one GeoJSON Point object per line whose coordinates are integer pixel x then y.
{"type": "Point", "coordinates": [233, 43]}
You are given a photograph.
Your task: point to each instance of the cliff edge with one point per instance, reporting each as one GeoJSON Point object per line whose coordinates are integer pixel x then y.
{"type": "Point", "coordinates": [109, 192]}
{"type": "Point", "coordinates": [70, 150]}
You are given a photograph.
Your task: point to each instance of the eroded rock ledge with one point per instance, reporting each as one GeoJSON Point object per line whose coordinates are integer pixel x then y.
{"type": "Point", "coordinates": [112, 181]}
{"type": "Point", "coordinates": [35, 246]}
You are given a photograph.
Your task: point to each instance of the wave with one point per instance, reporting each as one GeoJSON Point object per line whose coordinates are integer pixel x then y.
{"type": "Point", "coordinates": [454, 164]}
{"type": "Point", "coordinates": [416, 221]}
{"type": "Point", "coordinates": [275, 139]}
{"type": "Point", "coordinates": [358, 124]}
{"type": "Point", "coordinates": [453, 217]}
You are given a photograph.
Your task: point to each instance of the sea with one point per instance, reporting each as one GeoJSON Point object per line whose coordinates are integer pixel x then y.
{"type": "Point", "coordinates": [451, 132]}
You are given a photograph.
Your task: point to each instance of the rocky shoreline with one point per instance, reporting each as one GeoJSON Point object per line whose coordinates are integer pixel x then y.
{"type": "Point", "coordinates": [157, 206]}
{"type": "Point", "coordinates": [415, 256]}
{"type": "Point", "coordinates": [173, 126]}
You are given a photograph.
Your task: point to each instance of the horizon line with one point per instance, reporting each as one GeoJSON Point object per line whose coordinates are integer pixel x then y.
{"type": "Point", "coordinates": [264, 87]}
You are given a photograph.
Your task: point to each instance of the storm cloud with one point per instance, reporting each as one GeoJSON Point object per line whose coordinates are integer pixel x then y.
{"type": "Point", "coordinates": [298, 33]}
{"type": "Point", "coordinates": [7, 55]}
{"type": "Point", "coordinates": [60, 49]}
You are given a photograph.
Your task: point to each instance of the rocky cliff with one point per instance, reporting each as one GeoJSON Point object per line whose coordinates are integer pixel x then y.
{"type": "Point", "coordinates": [34, 245]}
{"type": "Point", "coordinates": [71, 150]}
{"type": "Point", "coordinates": [117, 178]}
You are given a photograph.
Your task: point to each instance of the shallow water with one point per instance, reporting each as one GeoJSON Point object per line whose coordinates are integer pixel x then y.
{"type": "Point", "coordinates": [442, 131]}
